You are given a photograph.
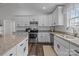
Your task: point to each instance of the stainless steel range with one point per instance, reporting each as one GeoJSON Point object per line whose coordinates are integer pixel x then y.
{"type": "Point", "coordinates": [33, 33]}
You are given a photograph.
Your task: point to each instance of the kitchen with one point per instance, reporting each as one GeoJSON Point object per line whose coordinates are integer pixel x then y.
{"type": "Point", "coordinates": [39, 29]}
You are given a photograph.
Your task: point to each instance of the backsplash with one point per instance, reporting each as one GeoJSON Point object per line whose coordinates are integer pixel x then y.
{"type": "Point", "coordinates": [62, 28]}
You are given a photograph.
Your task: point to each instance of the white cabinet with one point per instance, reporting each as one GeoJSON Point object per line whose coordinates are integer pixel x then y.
{"type": "Point", "coordinates": [43, 37]}
{"type": "Point", "coordinates": [43, 20]}
{"type": "Point", "coordinates": [50, 20]}
{"type": "Point", "coordinates": [26, 49]}
{"type": "Point", "coordinates": [22, 48]}
{"type": "Point", "coordinates": [22, 20]}
{"type": "Point", "coordinates": [58, 15]}
{"type": "Point", "coordinates": [61, 47]}
{"type": "Point", "coordinates": [11, 52]}
{"type": "Point", "coordinates": [74, 50]}
{"type": "Point", "coordinates": [56, 46]}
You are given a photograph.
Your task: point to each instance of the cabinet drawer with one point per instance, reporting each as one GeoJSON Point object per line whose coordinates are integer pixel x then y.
{"type": "Point", "coordinates": [11, 52]}
{"type": "Point", "coordinates": [63, 51]}
{"type": "Point", "coordinates": [74, 49]}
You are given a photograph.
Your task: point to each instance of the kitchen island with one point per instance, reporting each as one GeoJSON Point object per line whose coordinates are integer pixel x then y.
{"type": "Point", "coordinates": [7, 42]}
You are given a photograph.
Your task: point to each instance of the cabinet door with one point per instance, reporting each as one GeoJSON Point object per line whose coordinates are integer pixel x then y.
{"type": "Point", "coordinates": [22, 20]}
{"type": "Point", "coordinates": [63, 42]}
{"type": "Point", "coordinates": [26, 48]}
{"type": "Point", "coordinates": [55, 17]}
{"type": "Point", "coordinates": [40, 37]}
{"type": "Point", "coordinates": [49, 20]}
{"type": "Point", "coordinates": [46, 36]}
{"type": "Point", "coordinates": [46, 20]}
{"type": "Point", "coordinates": [74, 50]}
{"type": "Point", "coordinates": [56, 47]}
{"type": "Point", "coordinates": [60, 15]}
{"type": "Point", "coordinates": [62, 47]}
{"type": "Point", "coordinates": [41, 21]}
{"type": "Point", "coordinates": [63, 51]}
{"type": "Point", "coordinates": [21, 47]}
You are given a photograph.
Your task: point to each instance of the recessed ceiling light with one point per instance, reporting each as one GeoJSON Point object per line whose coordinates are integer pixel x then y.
{"type": "Point", "coordinates": [44, 7]}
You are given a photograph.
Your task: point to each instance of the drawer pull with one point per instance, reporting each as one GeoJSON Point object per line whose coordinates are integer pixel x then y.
{"type": "Point", "coordinates": [58, 46]}
{"type": "Point", "coordinates": [24, 49]}
{"type": "Point", "coordinates": [10, 54]}
{"type": "Point", "coordinates": [76, 51]}
{"type": "Point", "coordinates": [21, 44]}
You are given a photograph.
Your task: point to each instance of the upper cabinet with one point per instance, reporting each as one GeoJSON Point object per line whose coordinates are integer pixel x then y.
{"type": "Point", "coordinates": [58, 15]}
{"type": "Point", "coordinates": [43, 20]}
{"type": "Point", "coordinates": [22, 20]}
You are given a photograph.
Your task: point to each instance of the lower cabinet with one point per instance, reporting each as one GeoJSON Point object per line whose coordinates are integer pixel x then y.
{"type": "Point", "coordinates": [43, 37]}
{"type": "Point", "coordinates": [65, 48]}
{"type": "Point", "coordinates": [60, 48]}
{"type": "Point", "coordinates": [26, 49]}
{"type": "Point", "coordinates": [74, 50]}
{"type": "Point", "coordinates": [22, 48]}
{"type": "Point", "coordinates": [11, 52]}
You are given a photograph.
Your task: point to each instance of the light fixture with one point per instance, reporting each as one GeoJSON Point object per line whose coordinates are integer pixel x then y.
{"type": "Point", "coordinates": [43, 7]}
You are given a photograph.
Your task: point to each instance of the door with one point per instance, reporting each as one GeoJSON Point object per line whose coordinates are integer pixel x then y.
{"type": "Point", "coordinates": [7, 27]}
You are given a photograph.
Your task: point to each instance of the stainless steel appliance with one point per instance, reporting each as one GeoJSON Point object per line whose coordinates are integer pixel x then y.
{"type": "Point", "coordinates": [33, 33]}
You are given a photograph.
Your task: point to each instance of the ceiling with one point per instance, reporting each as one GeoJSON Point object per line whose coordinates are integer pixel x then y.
{"type": "Point", "coordinates": [26, 8]}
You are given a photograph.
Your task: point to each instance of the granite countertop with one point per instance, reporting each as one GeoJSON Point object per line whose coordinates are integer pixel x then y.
{"type": "Point", "coordinates": [9, 41]}
{"type": "Point", "coordinates": [69, 38]}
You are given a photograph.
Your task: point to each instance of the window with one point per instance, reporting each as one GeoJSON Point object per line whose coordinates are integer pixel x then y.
{"type": "Point", "coordinates": [74, 16]}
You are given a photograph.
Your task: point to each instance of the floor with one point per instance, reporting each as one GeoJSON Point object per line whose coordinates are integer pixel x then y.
{"type": "Point", "coordinates": [41, 50]}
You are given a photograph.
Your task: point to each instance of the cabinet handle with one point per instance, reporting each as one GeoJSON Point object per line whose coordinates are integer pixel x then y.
{"type": "Point", "coordinates": [76, 51]}
{"type": "Point", "coordinates": [11, 54]}
{"type": "Point", "coordinates": [21, 44]}
{"type": "Point", "coordinates": [58, 46]}
{"type": "Point", "coordinates": [69, 55]}
{"type": "Point", "coordinates": [24, 49]}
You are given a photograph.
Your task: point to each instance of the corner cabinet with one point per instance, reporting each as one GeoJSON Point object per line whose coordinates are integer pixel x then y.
{"type": "Point", "coordinates": [58, 16]}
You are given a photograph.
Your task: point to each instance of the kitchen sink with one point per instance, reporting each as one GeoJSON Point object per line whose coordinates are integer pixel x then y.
{"type": "Point", "coordinates": [68, 36]}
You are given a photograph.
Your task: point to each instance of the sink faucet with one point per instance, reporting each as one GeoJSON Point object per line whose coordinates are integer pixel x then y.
{"type": "Point", "coordinates": [74, 31]}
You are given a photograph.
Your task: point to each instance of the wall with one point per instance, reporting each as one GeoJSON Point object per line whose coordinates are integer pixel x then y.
{"type": "Point", "coordinates": [60, 28]}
